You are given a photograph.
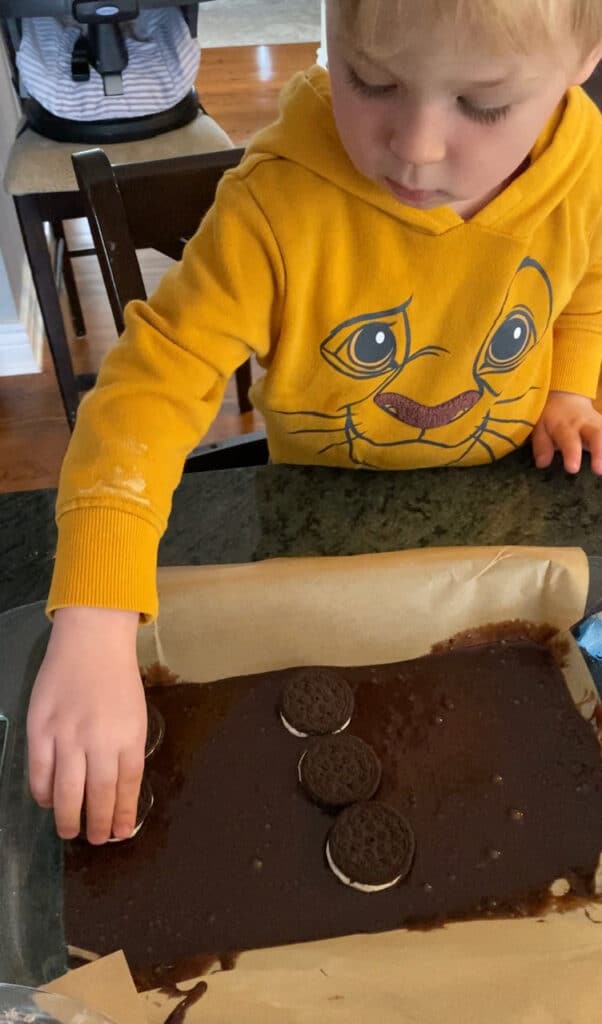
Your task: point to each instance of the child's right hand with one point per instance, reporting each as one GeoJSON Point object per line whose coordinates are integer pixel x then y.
{"type": "Point", "coordinates": [86, 726]}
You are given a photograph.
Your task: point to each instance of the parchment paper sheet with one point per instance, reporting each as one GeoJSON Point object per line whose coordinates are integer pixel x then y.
{"type": "Point", "coordinates": [226, 620]}
{"type": "Point", "coordinates": [106, 986]}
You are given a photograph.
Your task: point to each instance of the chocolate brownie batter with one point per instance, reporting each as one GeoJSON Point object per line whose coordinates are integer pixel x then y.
{"type": "Point", "coordinates": [482, 750]}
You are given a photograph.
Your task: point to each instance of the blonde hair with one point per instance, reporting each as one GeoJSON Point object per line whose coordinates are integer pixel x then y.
{"type": "Point", "coordinates": [504, 24]}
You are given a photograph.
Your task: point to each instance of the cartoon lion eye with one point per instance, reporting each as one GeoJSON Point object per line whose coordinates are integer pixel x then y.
{"type": "Point", "coordinates": [510, 343]}
{"type": "Point", "coordinates": [372, 346]}
{"type": "Point", "coordinates": [368, 351]}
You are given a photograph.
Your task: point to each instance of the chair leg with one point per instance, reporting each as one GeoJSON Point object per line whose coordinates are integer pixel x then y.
{"type": "Point", "coordinates": [38, 255]}
{"type": "Point", "coordinates": [64, 270]}
{"type": "Point", "coordinates": [243, 383]}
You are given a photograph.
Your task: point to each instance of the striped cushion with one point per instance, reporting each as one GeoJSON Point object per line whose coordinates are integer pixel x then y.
{"type": "Point", "coordinates": [163, 62]}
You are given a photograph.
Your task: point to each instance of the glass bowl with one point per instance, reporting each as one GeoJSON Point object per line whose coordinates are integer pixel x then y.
{"type": "Point", "coordinates": [22, 1005]}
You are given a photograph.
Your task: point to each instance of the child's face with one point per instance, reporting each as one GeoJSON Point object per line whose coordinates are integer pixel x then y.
{"type": "Point", "coordinates": [443, 123]}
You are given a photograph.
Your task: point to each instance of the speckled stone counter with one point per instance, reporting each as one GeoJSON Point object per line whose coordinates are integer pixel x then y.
{"type": "Point", "coordinates": [246, 515]}
{"type": "Point", "coordinates": [262, 512]}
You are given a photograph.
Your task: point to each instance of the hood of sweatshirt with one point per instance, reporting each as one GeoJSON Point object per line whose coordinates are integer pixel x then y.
{"type": "Point", "coordinates": [568, 150]}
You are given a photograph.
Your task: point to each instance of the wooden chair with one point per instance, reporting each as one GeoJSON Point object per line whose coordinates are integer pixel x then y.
{"type": "Point", "coordinates": [117, 200]}
{"type": "Point", "coordinates": [594, 86]}
{"type": "Point", "coordinates": [40, 178]}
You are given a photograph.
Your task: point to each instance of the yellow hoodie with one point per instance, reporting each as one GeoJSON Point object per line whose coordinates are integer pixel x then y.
{"type": "Point", "coordinates": [391, 337]}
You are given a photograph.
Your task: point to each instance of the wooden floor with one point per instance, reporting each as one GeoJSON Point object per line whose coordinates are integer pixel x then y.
{"type": "Point", "coordinates": [239, 87]}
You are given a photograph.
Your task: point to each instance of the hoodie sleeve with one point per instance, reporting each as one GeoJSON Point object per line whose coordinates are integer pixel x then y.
{"type": "Point", "coordinates": [157, 393]}
{"type": "Point", "coordinates": [578, 331]}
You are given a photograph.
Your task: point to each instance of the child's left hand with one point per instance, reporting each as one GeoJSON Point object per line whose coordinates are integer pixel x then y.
{"type": "Point", "coordinates": [568, 424]}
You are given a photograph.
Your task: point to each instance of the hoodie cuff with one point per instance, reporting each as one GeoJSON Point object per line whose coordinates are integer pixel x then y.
{"type": "Point", "coordinates": [576, 362]}
{"type": "Point", "coordinates": [105, 558]}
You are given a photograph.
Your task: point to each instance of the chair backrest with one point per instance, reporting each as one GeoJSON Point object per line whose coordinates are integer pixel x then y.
{"type": "Point", "coordinates": [156, 205]}
{"type": "Point", "coordinates": [153, 205]}
{"type": "Point", "coordinates": [594, 86]}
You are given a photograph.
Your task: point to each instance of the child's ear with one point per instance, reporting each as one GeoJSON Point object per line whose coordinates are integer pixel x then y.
{"type": "Point", "coordinates": [588, 66]}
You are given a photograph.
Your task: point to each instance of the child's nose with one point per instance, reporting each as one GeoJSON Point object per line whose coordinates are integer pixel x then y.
{"type": "Point", "coordinates": [418, 138]}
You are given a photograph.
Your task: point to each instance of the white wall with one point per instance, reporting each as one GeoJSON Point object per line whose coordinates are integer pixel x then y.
{"type": "Point", "coordinates": [7, 302]}
{"type": "Point", "coordinates": [16, 345]}
{"type": "Point", "coordinates": [322, 56]}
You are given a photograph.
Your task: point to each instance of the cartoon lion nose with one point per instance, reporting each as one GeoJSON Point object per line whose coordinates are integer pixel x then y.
{"type": "Point", "coordinates": [406, 410]}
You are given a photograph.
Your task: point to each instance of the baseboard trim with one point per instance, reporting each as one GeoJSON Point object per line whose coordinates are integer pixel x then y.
{"type": "Point", "coordinates": [16, 356]}
{"type": "Point", "coordinates": [31, 317]}
{"type": "Point", "coordinates": [22, 339]}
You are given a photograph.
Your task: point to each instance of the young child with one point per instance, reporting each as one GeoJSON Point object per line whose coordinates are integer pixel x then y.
{"type": "Point", "coordinates": [414, 253]}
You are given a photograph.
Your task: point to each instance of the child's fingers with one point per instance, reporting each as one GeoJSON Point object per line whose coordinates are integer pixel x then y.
{"type": "Point", "coordinates": [131, 767]}
{"type": "Point", "coordinates": [571, 446]}
{"type": "Point", "coordinates": [592, 438]}
{"type": "Point", "coordinates": [40, 757]}
{"type": "Point", "coordinates": [543, 447]}
{"type": "Point", "coordinates": [68, 791]}
{"type": "Point", "coordinates": [101, 788]}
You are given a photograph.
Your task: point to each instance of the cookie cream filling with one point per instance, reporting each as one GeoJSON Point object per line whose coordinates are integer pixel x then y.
{"type": "Point", "coordinates": [304, 735]}
{"type": "Point", "coordinates": [126, 839]}
{"type": "Point", "coordinates": [360, 886]}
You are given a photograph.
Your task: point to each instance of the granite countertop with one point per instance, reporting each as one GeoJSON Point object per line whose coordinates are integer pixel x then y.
{"type": "Point", "coordinates": [244, 515]}
{"type": "Point", "coordinates": [248, 514]}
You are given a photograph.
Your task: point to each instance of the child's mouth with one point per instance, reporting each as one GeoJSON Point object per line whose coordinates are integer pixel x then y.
{"type": "Point", "coordinates": [411, 195]}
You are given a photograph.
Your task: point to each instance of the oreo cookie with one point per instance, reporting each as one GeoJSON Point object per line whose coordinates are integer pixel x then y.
{"type": "Point", "coordinates": [370, 847]}
{"type": "Point", "coordinates": [339, 770]}
{"type": "Point", "coordinates": [155, 730]}
{"type": "Point", "coordinates": [316, 701]}
{"type": "Point", "coordinates": [145, 802]}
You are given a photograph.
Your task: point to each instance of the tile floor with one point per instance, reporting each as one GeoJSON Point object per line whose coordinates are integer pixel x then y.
{"type": "Point", "coordinates": [252, 22]}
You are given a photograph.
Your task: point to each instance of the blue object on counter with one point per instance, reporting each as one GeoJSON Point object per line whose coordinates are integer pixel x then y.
{"type": "Point", "coordinates": [589, 636]}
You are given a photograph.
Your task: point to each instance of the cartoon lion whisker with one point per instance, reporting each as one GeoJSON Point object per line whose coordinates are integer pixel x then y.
{"type": "Point", "coordinates": [517, 398]}
{"type": "Point", "coordinates": [348, 443]}
{"type": "Point", "coordinates": [316, 430]}
{"type": "Point", "coordinates": [310, 412]}
{"type": "Point", "coordinates": [502, 437]}
{"type": "Point", "coordinates": [497, 419]}
{"type": "Point", "coordinates": [475, 441]}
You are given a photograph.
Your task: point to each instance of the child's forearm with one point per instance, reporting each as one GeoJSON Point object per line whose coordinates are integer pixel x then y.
{"type": "Point", "coordinates": [157, 393]}
{"type": "Point", "coordinates": [122, 626]}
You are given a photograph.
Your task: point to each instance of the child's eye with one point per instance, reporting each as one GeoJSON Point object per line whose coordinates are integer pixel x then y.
{"type": "Point", "coordinates": [484, 115]}
{"type": "Point", "coordinates": [365, 88]}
